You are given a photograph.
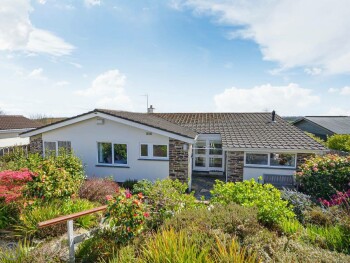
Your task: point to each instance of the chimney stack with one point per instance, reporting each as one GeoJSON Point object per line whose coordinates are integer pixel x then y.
{"type": "Point", "coordinates": [150, 109]}
{"type": "Point", "coordinates": [273, 116]}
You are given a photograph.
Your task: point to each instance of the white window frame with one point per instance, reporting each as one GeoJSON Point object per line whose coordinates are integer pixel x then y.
{"type": "Point", "coordinates": [113, 164]}
{"type": "Point", "coordinates": [268, 165]}
{"type": "Point", "coordinates": [150, 151]}
{"type": "Point", "coordinates": [207, 138]}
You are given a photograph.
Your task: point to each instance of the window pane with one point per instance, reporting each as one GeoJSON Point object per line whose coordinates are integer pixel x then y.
{"type": "Point", "coordinates": [160, 151]}
{"type": "Point", "coordinates": [200, 147]}
{"type": "Point", "coordinates": [256, 158]}
{"type": "Point", "coordinates": [215, 162]}
{"type": "Point", "coordinates": [120, 154]}
{"type": "Point", "coordinates": [104, 152]}
{"type": "Point", "coordinates": [215, 148]}
{"type": "Point", "coordinates": [144, 150]}
{"type": "Point", "coordinates": [200, 161]}
{"type": "Point", "coordinates": [282, 159]}
{"type": "Point", "coordinates": [64, 146]}
{"type": "Point", "coordinates": [50, 148]}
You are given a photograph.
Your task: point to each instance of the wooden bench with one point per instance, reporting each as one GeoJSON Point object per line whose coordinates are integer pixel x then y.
{"type": "Point", "coordinates": [279, 181]}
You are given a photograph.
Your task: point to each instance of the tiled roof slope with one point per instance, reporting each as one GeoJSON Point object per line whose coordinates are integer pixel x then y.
{"type": "Point", "coordinates": [11, 122]}
{"type": "Point", "coordinates": [246, 130]}
{"type": "Point", "coordinates": [336, 124]}
{"type": "Point", "coordinates": [152, 121]}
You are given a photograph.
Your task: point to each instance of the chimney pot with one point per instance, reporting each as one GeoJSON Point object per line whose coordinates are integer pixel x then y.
{"type": "Point", "coordinates": [150, 109]}
{"type": "Point", "coordinates": [273, 116]}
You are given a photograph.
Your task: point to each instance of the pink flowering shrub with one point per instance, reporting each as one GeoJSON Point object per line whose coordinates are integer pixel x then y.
{"type": "Point", "coordinates": [12, 184]}
{"type": "Point", "coordinates": [340, 198]}
{"type": "Point", "coordinates": [126, 215]}
{"type": "Point", "coordinates": [324, 176]}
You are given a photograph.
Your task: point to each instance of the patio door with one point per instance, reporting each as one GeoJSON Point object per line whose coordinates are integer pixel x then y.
{"type": "Point", "coordinates": [208, 154]}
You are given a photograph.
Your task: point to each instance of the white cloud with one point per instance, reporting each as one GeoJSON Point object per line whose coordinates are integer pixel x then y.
{"type": "Point", "coordinates": [62, 83]}
{"type": "Point", "coordinates": [90, 3]}
{"type": "Point", "coordinates": [313, 71]}
{"type": "Point", "coordinates": [77, 65]}
{"type": "Point", "coordinates": [338, 111]}
{"type": "Point", "coordinates": [286, 100]}
{"type": "Point", "coordinates": [108, 91]}
{"type": "Point", "coordinates": [343, 91]}
{"type": "Point", "coordinates": [43, 2]}
{"type": "Point", "coordinates": [294, 33]}
{"type": "Point", "coordinates": [37, 74]}
{"type": "Point", "coordinates": [18, 34]}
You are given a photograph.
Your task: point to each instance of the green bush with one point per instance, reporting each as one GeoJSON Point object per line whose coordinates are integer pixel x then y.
{"type": "Point", "coordinates": [323, 176]}
{"type": "Point", "coordinates": [166, 197]}
{"type": "Point", "coordinates": [33, 214]}
{"type": "Point", "coordinates": [9, 214]}
{"type": "Point", "coordinates": [267, 198]}
{"type": "Point", "coordinates": [340, 142]}
{"type": "Point", "coordinates": [300, 202]}
{"type": "Point", "coordinates": [316, 138]}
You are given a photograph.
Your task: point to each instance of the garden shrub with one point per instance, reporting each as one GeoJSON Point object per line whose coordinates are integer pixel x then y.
{"type": "Point", "coordinates": [319, 216]}
{"type": "Point", "coordinates": [126, 215]}
{"type": "Point", "coordinates": [9, 214]}
{"type": "Point", "coordinates": [129, 184]}
{"type": "Point", "coordinates": [290, 226]}
{"type": "Point", "coordinates": [340, 198]}
{"type": "Point", "coordinates": [300, 202]}
{"type": "Point", "coordinates": [267, 198]}
{"type": "Point", "coordinates": [143, 186]}
{"type": "Point", "coordinates": [12, 184]}
{"type": "Point", "coordinates": [42, 211]}
{"type": "Point", "coordinates": [96, 189]}
{"type": "Point", "coordinates": [323, 176]}
{"type": "Point", "coordinates": [340, 142]}
{"type": "Point", "coordinates": [316, 138]}
{"type": "Point", "coordinates": [231, 219]}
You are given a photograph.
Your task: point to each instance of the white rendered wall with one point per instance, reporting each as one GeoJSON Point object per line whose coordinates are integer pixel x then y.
{"type": "Point", "coordinates": [12, 139]}
{"type": "Point", "coordinates": [256, 172]}
{"type": "Point", "coordinates": [85, 135]}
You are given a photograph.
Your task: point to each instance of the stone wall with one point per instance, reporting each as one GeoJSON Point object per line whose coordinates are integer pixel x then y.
{"type": "Point", "coordinates": [234, 164]}
{"type": "Point", "coordinates": [36, 144]}
{"type": "Point", "coordinates": [301, 158]}
{"type": "Point", "coordinates": [178, 161]}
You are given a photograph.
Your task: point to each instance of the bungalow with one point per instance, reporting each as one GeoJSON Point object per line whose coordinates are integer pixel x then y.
{"type": "Point", "coordinates": [324, 126]}
{"type": "Point", "coordinates": [10, 128]}
{"type": "Point", "coordinates": [129, 145]}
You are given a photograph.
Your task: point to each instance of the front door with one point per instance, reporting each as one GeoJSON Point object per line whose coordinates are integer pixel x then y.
{"type": "Point", "coordinates": [208, 154]}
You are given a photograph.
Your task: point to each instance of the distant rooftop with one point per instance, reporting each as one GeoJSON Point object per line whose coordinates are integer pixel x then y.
{"type": "Point", "coordinates": [336, 124]}
{"type": "Point", "coordinates": [15, 122]}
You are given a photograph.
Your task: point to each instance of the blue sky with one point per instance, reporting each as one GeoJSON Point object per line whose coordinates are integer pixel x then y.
{"type": "Point", "coordinates": [61, 57]}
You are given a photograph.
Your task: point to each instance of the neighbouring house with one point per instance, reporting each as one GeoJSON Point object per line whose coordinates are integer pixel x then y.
{"type": "Point", "coordinates": [129, 145]}
{"type": "Point", "coordinates": [324, 126]}
{"type": "Point", "coordinates": [10, 128]}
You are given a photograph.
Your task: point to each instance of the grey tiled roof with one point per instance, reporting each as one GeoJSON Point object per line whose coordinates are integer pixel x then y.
{"type": "Point", "coordinates": [152, 121]}
{"type": "Point", "coordinates": [336, 124]}
{"type": "Point", "coordinates": [246, 130]}
{"type": "Point", "coordinates": [14, 122]}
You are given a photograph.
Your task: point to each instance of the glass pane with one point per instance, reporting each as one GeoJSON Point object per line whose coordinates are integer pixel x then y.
{"type": "Point", "coordinates": [215, 148]}
{"type": "Point", "coordinates": [200, 161]}
{"type": "Point", "coordinates": [104, 152]}
{"type": "Point", "coordinates": [120, 154]}
{"type": "Point", "coordinates": [64, 147]}
{"type": "Point", "coordinates": [282, 159]}
{"type": "Point", "coordinates": [144, 150]}
{"type": "Point", "coordinates": [215, 162]}
{"type": "Point", "coordinates": [160, 151]}
{"type": "Point", "coordinates": [50, 148]}
{"type": "Point", "coordinates": [256, 158]}
{"type": "Point", "coordinates": [200, 147]}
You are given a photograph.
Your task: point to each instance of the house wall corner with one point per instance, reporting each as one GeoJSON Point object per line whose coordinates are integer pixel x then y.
{"type": "Point", "coordinates": [234, 166]}
{"type": "Point", "coordinates": [178, 161]}
{"type": "Point", "coordinates": [36, 144]}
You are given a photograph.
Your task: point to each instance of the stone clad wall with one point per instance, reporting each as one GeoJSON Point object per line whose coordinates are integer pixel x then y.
{"type": "Point", "coordinates": [178, 161]}
{"type": "Point", "coordinates": [36, 144]}
{"type": "Point", "coordinates": [301, 158]}
{"type": "Point", "coordinates": [235, 165]}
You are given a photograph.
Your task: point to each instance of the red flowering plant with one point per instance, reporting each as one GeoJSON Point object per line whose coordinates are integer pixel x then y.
{"type": "Point", "coordinates": [340, 198]}
{"type": "Point", "coordinates": [12, 184]}
{"type": "Point", "coordinates": [126, 214]}
{"type": "Point", "coordinates": [324, 176]}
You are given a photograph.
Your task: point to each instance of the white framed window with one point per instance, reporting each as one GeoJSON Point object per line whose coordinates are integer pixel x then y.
{"type": "Point", "coordinates": [54, 148]}
{"type": "Point", "coordinates": [112, 153]}
{"type": "Point", "coordinates": [280, 160]}
{"type": "Point", "coordinates": [153, 151]}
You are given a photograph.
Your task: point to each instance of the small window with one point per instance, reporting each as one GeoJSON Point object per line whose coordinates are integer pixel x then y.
{"type": "Point", "coordinates": [105, 152]}
{"type": "Point", "coordinates": [120, 154]}
{"type": "Point", "coordinates": [257, 158]}
{"type": "Point", "coordinates": [282, 159]}
{"type": "Point", "coordinates": [200, 147]}
{"type": "Point", "coordinates": [64, 147]}
{"type": "Point", "coordinates": [160, 151]}
{"type": "Point", "coordinates": [49, 149]}
{"type": "Point", "coordinates": [144, 150]}
{"type": "Point", "coordinates": [215, 148]}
